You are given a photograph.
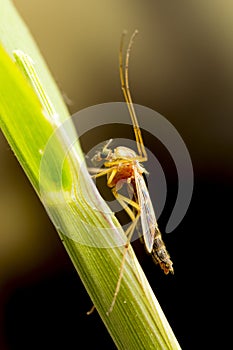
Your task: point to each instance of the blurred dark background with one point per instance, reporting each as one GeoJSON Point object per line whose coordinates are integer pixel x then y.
{"type": "Point", "coordinates": [181, 66]}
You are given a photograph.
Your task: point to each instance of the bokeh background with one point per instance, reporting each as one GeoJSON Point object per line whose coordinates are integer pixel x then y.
{"type": "Point", "coordinates": [181, 66]}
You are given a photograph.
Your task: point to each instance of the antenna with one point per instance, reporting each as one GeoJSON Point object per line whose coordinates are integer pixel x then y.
{"type": "Point", "coordinates": [124, 77]}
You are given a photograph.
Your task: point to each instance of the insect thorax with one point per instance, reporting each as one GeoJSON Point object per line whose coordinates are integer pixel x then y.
{"type": "Point", "coordinates": [123, 153]}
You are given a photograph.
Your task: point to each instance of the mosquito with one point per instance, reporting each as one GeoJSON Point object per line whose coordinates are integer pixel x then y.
{"type": "Point", "coordinates": [122, 165]}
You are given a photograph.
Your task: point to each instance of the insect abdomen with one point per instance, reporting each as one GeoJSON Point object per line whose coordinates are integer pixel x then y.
{"type": "Point", "coordinates": [160, 254]}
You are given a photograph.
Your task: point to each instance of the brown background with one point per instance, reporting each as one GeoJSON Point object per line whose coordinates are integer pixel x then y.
{"type": "Point", "coordinates": [181, 66]}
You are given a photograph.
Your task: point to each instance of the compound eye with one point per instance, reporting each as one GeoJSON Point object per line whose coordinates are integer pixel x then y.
{"type": "Point", "coordinates": [104, 154]}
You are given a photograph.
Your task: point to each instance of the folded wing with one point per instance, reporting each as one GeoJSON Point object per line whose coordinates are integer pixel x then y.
{"type": "Point", "coordinates": [148, 219]}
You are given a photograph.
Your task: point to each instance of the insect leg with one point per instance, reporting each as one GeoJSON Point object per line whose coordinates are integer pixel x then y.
{"type": "Point", "coordinates": [99, 172]}
{"type": "Point", "coordinates": [129, 234]}
{"type": "Point", "coordinates": [123, 200]}
{"type": "Point", "coordinates": [91, 310]}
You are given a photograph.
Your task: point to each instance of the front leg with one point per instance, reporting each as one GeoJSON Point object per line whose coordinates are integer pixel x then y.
{"type": "Point", "coordinates": [99, 172]}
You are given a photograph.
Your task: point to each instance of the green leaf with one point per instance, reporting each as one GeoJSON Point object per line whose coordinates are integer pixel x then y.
{"type": "Point", "coordinates": [36, 124]}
